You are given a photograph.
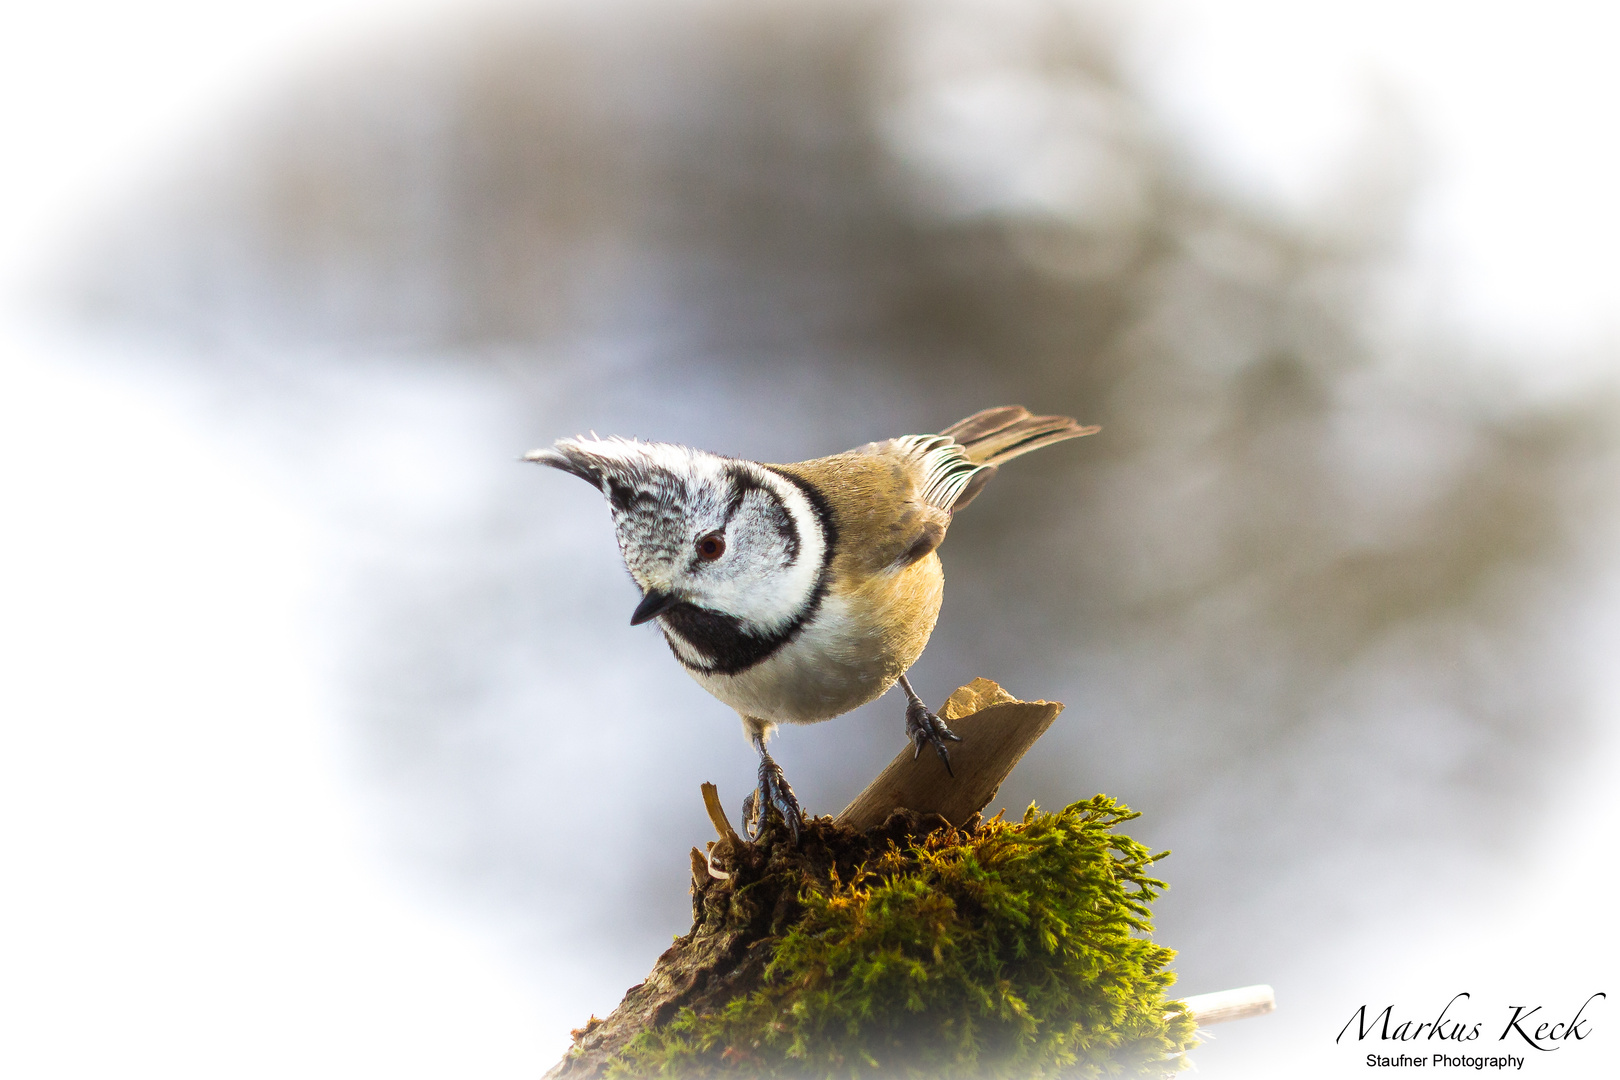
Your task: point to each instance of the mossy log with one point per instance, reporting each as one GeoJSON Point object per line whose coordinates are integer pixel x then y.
{"type": "Point", "coordinates": [909, 937]}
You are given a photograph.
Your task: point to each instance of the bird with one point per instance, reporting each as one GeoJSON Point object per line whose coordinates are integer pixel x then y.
{"type": "Point", "coordinates": [795, 593]}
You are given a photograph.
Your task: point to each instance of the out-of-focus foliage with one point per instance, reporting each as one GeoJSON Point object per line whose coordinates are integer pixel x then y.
{"type": "Point", "coordinates": [1017, 949]}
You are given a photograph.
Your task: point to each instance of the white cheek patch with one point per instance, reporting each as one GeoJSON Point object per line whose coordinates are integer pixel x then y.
{"type": "Point", "coordinates": [768, 584]}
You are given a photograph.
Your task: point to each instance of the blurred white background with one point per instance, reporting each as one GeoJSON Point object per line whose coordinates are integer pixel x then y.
{"type": "Point", "coordinates": [324, 748]}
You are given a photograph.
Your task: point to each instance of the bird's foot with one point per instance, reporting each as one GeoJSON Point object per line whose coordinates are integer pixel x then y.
{"type": "Point", "coordinates": [924, 727]}
{"type": "Point", "coordinates": [774, 791]}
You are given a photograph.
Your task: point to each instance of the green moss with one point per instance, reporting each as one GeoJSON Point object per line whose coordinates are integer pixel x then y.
{"type": "Point", "coordinates": [1017, 949]}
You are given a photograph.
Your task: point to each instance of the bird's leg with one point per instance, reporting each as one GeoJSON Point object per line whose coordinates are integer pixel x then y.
{"type": "Point", "coordinates": [773, 790]}
{"type": "Point", "coordinates": [924, 726]}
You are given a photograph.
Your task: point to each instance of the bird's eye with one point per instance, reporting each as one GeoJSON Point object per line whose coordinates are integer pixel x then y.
{"type": "Point", "coordinates": [712, 546]}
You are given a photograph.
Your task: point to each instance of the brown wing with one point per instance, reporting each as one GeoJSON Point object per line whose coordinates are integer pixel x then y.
{"type": "Point", "coordinates": [892, 501]}
{"type": "Point", "coordinates": [876, 496]}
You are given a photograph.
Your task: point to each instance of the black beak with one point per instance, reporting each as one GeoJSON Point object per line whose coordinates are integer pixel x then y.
{"type": "Point", "coordinates": [654, 604]}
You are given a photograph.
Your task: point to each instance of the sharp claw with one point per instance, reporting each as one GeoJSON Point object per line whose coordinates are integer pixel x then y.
{"type": "Point", "coordinates": [781, 797]}
{"type": "Point", "coordinates": [773, 791]}
{"type": "Point", "coordinates": [748, 817]}
{"type": "Point", "coordinates": [790, 814]}
{"type": "Point", "coordinates": [925, 727]}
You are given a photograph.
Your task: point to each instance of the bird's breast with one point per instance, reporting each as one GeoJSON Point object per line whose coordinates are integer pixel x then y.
{"type": "Point", "coordinates": [862, 638]}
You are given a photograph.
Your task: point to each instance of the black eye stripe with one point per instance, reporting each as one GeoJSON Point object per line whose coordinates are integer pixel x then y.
{"type": "Point", "coordinates": [824, 518]}
{"type": "Point", "coordinates": [786, 528]}
{"type": "Point", "coordinates": [742, 482]}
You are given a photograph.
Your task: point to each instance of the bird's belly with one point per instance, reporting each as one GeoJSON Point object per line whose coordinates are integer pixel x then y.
{"type": "Point", "coordinates": [840, 661]}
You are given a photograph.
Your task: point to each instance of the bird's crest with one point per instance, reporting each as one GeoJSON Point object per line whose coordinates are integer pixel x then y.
{"type": "Point", "coordinates": [631, 462]}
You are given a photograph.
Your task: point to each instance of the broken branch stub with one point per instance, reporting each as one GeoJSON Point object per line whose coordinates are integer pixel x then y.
{"type": "Point", "coordinates": [996, 729]}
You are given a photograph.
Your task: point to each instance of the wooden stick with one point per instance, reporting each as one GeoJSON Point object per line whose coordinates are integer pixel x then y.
{"type": "Point", "coordinates": [1224, 1005]}
{"type": "Point", "coordinates": [996, 729]}
{"type": "Point", "coordinates": [717, 814]}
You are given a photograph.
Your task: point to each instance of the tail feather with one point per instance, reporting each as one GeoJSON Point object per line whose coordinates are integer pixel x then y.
{"type": "Point", "coordinates": [1001, 434]}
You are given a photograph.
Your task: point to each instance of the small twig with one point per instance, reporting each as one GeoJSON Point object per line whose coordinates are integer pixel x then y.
{"type": "Point", "coordinates": [717, 815]}
{"type": "Point", "coordinates": [1224, 1005]}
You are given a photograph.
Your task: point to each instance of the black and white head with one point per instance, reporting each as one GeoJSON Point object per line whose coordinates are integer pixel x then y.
{"type": "Point", "coordinates": [730, 556]}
